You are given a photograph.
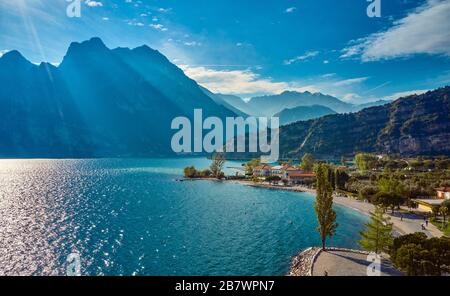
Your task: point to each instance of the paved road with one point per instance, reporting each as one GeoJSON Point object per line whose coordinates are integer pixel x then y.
{"type": "Point", "coordinates": [342, 263]}
{"type": "Point", "coordinates": [410, 224]}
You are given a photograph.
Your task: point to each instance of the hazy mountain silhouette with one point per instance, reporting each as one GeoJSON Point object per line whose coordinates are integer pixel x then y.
{"type": "Point", "coordinates": [98, 102]}
{"type": "Point", "coordinates": [303, 113]}
{"type": "Point", "coordinates": [272, 104]}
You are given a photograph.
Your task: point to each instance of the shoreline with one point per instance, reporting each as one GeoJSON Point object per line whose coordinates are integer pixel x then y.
{"type": "Point", "coordinates": [409, 224]}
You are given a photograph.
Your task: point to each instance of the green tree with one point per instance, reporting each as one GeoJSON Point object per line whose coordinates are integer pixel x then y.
{"type": "Point", "coordinates": [326, 216]}
{"type": "Point", "coordinates": [255, 179]}
{"type": "Point", "coordinates": [365, 161]}
{"type": "Point", "coordinates": [190, 172]}
{"type": "Point", "coordinates": [435, 209]}
{"type": "Point", "coordinates": [273, 179]}
{"type": "Point", "coordinates": [307, 162]}
{"type": "Point", "coordinates": [377, 236]}
{"type": "Point", "coordinates": [217, 165]}
{"type": "Point", "coordinates": [249, 166]}
{"type": "Point", "coordinates": [388, 200]}
{"type": "Point", "coordinates": [444, 212]}
{"type": "Point", "coordinates": [388, 183]}
{"type": "Point", "coordinates": [412, 238]}
{"type": "Point", "coordinates": [409, 259]}
{"type": "Point", "coordinates": [341, 178]}
{"type": "Point", "coordinates": [417, 255]}
{"type": "Point", "coordinates": [205, 173]}
{"type": "Point", "coordinates": [412, 204]}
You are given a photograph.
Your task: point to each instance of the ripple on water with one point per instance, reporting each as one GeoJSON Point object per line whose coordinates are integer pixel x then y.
{"type": "Point", "coordinates": [130, 217]}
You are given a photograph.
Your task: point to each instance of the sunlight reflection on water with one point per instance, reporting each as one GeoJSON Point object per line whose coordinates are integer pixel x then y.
{"type": "Point", "coordinates": [131, 217]}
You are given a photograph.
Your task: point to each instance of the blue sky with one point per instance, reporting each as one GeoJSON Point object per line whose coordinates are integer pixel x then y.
{"type": "Point", "coordinates": [253, 47]}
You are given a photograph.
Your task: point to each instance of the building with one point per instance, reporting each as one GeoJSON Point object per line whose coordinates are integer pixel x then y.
{"type": "Point", "coordinates": [443, 193]}
{"type": "Point", "coordinates": [277, 171]}
{"type": "Point", "coordinates": [291, 174]}
{"type": "Point", "coordinates": [294, 177]}
{"type": "Point", "coordinates": [290, 170]}
{"type": "Point", "coordinates": [262, 170]}
{"type": "Point", "coordinates": [427, 205]}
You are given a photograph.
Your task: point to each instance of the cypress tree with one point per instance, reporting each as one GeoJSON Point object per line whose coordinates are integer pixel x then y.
{"type": "Point", "coordinates": [326, 216]}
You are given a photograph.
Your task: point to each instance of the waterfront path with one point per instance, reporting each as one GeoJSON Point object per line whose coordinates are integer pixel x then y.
{"type": "Point", "coordinates": [409, 224]}
{"type": "Point", "coordinates": [346, 263]}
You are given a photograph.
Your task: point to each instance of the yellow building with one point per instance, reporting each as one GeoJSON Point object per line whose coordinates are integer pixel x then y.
{"type": "Point", "coordinates": [426, 205]}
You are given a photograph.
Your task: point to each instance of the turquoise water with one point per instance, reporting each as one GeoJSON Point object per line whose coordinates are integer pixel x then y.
{"type": "Point", "coordinates": [130, 217]}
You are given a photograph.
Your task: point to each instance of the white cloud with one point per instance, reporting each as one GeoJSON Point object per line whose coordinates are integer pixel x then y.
{"type": "Point", "coordinates": [3, 51]}
{"type": "Point", "coordinates": [426, 30]}
{"type": "Point", "coordinates": [137, 24]}
{"type": "Point", "coordinates": [105, 18]}
{"type": "Point", "coordinates": [291, 9]}
{"type": "Point", "coordinates": [240, 82]}
{"type": "Point", "coordinates": [350, 97]}
{"type": "Point", "coordinates": [192, 43]}
{"type": "Point", "coordinates": [328, 75]}
{"type": "Point", "coordinates": [158, 27]}
{"type": "Point", "coordinates": [164, 10]}
{"type": "Point", "coordinates": [92, 3]}
{"type": "Point", "coordinates": [307, 55]}
{"type": "Point", "coordinates": [351, 81]}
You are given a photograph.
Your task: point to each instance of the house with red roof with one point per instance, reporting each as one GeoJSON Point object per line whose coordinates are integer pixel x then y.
{"type": "Point", "coordinates": [262, 170]}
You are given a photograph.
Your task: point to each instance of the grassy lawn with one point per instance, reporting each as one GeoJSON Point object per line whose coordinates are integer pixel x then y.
{"type": "Point", "coordinates": [445, 229]}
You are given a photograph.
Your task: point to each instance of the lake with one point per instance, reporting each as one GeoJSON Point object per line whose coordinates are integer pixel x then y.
{"type": "Point", "coordinates": [130, 217]}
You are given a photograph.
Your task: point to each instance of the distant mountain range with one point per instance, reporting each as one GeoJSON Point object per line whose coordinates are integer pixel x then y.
{"type": "Point", "coordinates": [413, 125]}
{"type": "Point", "coordinates": [286, 102]}
{"type": "Point", "coordinates": [120, 103]}
{"type": "Point", "coordinates": [303, 113]}
{"type": "Point", "coordinates": [270, 105]}
{"type": "Point", "coordinates": [222, 100]}
{"type": "Point", "coordinates": [410, 126]}
{"type": "Point", "coordinates": [98, 102]}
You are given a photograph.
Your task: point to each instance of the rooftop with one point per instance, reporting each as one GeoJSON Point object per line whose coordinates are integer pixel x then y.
{"type": "Point", "coordinates": [301, 174]}
{"type": "Point", "coordinates": [431, 202]}
{"type": "Point", "coordinates": [443, 189]}
{"type": "Point", "coordinates": [262, 167]}
{"type": "Point", "coordinates": [277, 167]}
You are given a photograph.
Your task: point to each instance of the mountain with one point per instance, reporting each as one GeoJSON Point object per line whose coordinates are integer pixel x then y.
{"type": "Point", "coordinates": [39, 116]}
{"type": "Point", "coordinates": [270, 105]}
{"type": "Point", "coordinates": [274, 104]}
{"type": "Point", "coordinates": [223, 101]}
{"type": "Point", "coordinates": [303, 113]}
{"type": "Point", "coordinates": [98, 103]}
{"type": "Point", "coordinates": [413, 125]}
{"type": "Point", "coordinates": [371, 104]}
{"type": "Point", "coordinates": [237, 102]}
